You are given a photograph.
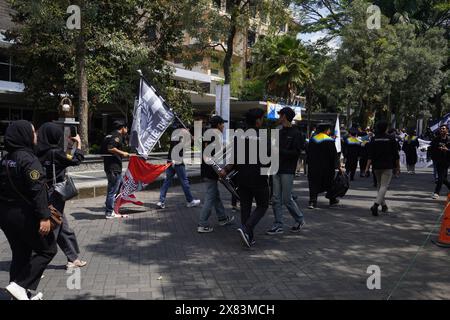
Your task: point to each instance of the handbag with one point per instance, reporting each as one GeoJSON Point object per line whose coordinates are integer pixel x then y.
{"type": "Point", "coordinates": [66, 189]}
{"type": "Point", "coordinates": [55, 215]}
{"type": "Point", "coordinates": [339, 187]}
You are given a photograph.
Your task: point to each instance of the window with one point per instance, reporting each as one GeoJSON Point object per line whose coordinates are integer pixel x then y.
{"type": "Point", "coordinates": [215, 71]}
{"type": "Point", "coordinates": [8, 71]}
{"type": "Point", "coordinates": [251, 38]}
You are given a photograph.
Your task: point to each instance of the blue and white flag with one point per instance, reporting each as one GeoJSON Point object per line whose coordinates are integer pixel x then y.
{"type": "Point", "coordinates": [151, 118]}
{"type": "Point", "coordinates": [444, 120]}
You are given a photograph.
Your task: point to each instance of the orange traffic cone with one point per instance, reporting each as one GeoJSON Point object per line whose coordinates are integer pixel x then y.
{"type": "Point", "coordinates": [444, 233]}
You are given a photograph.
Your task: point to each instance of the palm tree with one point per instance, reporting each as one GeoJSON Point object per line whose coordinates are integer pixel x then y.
{"type": "Point", "coordinates": [282, 62]}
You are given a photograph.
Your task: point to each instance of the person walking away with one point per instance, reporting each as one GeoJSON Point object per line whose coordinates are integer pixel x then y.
{"type": "Point", "coordinates": [113, 144]}
{"type": "Point", "coordinates": [385, 160]}
{"type": "Point", "coordinates": [322, 163]}
{"type": "Point", "coordinates": [250, 182]}
{"type": "Point", "coordinates": [212, 196]}
{"type": "Point", "coordinates": [25, 216]}
{"type": "Point", "coordinates": [50, 152]}
{"type": "Point", "coordinates": [364, 137]}
{"type": "Point", "coordinates": [410, 146]}
{"type": "Point", "coordinates": [440, 147]}
{"type": "Point", "coordinates": [351, 151]}
{"type": "Point", "coordinates": [178, 168]}
{"type": "Point", "coordinates": [290, 148]}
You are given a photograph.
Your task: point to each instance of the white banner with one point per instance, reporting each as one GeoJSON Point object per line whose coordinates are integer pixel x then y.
{"type": "Point", "coordinates": [151, 118]}
{"type": "Point", "coordinates": [337, 133]}
{"type": "Point", "coordinates": [223, 95]}
{"type": "Point", "coordinates": [421, 156]}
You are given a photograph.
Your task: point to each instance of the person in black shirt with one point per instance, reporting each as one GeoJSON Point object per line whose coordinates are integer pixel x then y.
{"type": "Point", "coordinates": [50, 152]}
{"type": "Point", "coordinates": [212, 195]}
{"type": "Point", "coordinates": [385, 160]}
{"type": "Point", "coordinates": [291, 144]}
{"type": "Point", "coordinates": [440, 155]}
{"type": "Point", "coordinates": [25, 216]}
{"type": "Point", "coordinates": [251, 183]}
{"type": "Point", "coordinates": [113, 144]}
{"type": "Point", "coordinates": [178, 168]}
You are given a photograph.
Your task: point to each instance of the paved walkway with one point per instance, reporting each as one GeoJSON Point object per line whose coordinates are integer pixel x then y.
{"type": "Point", "coordinates": [157, 254]}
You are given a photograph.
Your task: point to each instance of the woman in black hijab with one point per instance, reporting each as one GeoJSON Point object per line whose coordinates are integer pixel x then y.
{"type": "Point", "coordinates": [50, 144]}
{"type": "Point", "coordinates": [24, 217]}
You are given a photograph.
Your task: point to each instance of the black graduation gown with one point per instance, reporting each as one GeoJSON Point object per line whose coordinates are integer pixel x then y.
{"type": "Point", "coordinates": [322, 160]}
{"type": "Point", "coordinates": [410, 148]}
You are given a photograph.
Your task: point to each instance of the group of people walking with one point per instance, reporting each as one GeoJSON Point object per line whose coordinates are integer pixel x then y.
{"type": "Point", "coordinates": [36, 161]}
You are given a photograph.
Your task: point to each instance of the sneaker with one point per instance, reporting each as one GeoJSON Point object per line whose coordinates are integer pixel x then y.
{"type": "Point", "coordinates": [298, 226]}
{"type": "Point", "coordinates": [312, 205]}
{"type": "Point", "coordinates": [17, 291]}
{"type": "Point", "coordinates": [38, 296]}
{"type": "Point", "coordinates": [193, 203]}
{"type": "Point", "coordinates": [374, 210]}
{"type": "Point", "coordinates": [227, 220]}
{"type": "Point", "coordinates": [76, 264]}
{"type": "Point", "coordinates": [204, 229]}
{"type": "Point", "coordinates": [244, 237]}
{"type": "Point", "coordinates": [115, 216]}
{"type": "Point", "coordinates": [435, 196]}
{"type": "Point", "coordinates": [160, 205]}
{"type": "Point", "coordinates": [334, 202]}
{"type": "Point", "coordinates": [275, 230]}
{"type": "Point", "coordinates": [384, 208]}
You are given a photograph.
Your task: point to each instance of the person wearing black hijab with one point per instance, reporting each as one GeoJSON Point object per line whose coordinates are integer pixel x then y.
{"type": "Point", "coordinates": [50, 150]}
{"type": "Point", "coordinates": [25, 216]}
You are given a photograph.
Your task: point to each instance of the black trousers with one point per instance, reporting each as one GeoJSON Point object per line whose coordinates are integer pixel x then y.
{"type": "Point", "coordinates": [362, 165]}
{"type": "Point", "coordinates": [65, 236]}
{"type": "Point", "coordinates": [350, 165]}
{"type": "Point", "coordinates": [442, 172]}
{"type": "Point", "coordinates": [250, 219]}
{"type": "Point", "coordinates": [316, 186]}
{"type": "Point", "coordinates": [31, 253]}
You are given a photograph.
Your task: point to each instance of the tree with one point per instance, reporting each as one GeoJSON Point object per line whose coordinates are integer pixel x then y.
{"type": "Point", "coordinates": [97, 63]}
{"type": "Point", "coordinates": [219, 29]}
{"type": "Point", "coordinates": [282, 63]}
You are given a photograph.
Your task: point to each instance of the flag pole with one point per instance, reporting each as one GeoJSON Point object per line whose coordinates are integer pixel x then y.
{"type": "Point", "coordinates": [161, 97]}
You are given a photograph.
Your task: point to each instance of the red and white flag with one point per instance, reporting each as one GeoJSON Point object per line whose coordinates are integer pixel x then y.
{"type": "Point", "coordinates": [138, 175]}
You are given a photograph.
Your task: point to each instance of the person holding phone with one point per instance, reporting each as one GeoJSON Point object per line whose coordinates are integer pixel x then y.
{"type": "Point", "coordinates": [25, 216]}
{"type": "Point", "coordinates": [439, 150]}
{"type": "Point", "coordinates": [50, 152]}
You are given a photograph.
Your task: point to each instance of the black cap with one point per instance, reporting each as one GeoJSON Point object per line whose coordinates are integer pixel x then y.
{"type": "Point", "coordinates": [216, 120]}
{"type": "Point", "coordinates": [119, 124]}
{"type": "Point", "coordinates": [324, 126]}
{"type": "Point", "coordinates": [288, 112]}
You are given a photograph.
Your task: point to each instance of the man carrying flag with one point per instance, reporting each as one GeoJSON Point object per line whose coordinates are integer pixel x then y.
{"type": "Point", "coordinates": [152, 116]}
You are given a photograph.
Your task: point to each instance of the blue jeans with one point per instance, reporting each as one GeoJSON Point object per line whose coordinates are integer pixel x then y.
{"type": "Point", "coordinates": [180, 171]}
{"type": "Point", "coordinates": [114, 181]}
{"type": "Point", "coordinates": [282, 195]}
{"type": "Point", "coordinates": [212, 199]}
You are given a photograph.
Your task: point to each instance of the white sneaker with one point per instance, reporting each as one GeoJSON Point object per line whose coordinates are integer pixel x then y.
{"type": "Point", "coordinates": [204, 229]}
{"type": "Point", "coordinates": [160, 205]}
{"type": "Point", "coordinates": [193, 203]}
{"type": "Point", "coordinates": [115, 216]}
{"type": "Point", "coordinates": [39, 296]}
{"type": "Point", "coordinates": [17, 291]}
{"type": "Point", "coordinates": [435, 196]}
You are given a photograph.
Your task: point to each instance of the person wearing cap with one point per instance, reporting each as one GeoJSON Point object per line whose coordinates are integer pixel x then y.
{"type": "Point", "coordinates": [290, 146]}
{"type": "Point", "coordinates": [113, 145]}
{"type": "Point", "coordinates": [212, 196]}
{"type": "Point", "coordinates": [178, 168]}
{"type": "Point", "coordinates": [323, 161]}
{"type": "Point", "coordinates": [351, 151]}
{"type": "Point", "coordinates": [250, 182]}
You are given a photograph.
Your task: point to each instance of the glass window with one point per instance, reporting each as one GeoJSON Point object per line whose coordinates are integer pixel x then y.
{"type": "Point", "coordinates": [215, 71]}
{"type": "Point", "coordinates": [4, 58]}
{"type": "Point", "coordinates": [15, 74]}
{"type": "Point", "coordinates": [4, 72]}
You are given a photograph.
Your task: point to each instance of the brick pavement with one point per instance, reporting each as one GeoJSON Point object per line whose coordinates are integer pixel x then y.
{"type": "Point", "coordinates": [157, 254]}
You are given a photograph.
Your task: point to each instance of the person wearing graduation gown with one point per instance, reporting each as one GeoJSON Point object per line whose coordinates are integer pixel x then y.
{"type": "Point", "coordinates": [50, 151]}
{"type": "Point", "coordinates": [351, 151]}
{"type": "Point", "coordinates": [25, 216]}
{"type": "Point", "coordinates": [410, 145]}
{"type": "Point", "coordinates": [322, 160]}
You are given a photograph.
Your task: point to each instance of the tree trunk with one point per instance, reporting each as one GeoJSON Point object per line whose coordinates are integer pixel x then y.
{"type": "Point", "coordinates": [308, 106]}
{"type": "Point", "coordinates": [83, 111]}
{"type": "Point", "coordinates": [227, 61]}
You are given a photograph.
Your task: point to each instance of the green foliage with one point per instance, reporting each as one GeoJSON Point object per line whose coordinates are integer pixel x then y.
{"type": "Point", "coordinates": [253, 90]}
